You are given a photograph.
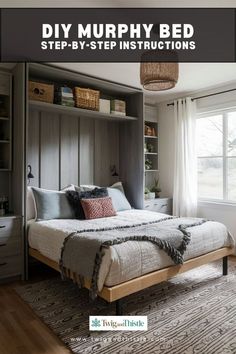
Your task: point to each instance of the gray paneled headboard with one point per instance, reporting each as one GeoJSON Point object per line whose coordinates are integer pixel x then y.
{"type": "Point", "coordinates": [67, 149]}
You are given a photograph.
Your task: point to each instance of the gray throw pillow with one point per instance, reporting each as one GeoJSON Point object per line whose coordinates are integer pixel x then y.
{"type": "Point", "coordinates": [119, 200]}
{"type": "Point", "coordinates": [52, 205]}
{"type": "Point", "coordinates": [75, 199]}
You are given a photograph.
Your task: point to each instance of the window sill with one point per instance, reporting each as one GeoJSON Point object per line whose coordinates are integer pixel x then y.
{"type": "Point", "coordinates": [216, 203]}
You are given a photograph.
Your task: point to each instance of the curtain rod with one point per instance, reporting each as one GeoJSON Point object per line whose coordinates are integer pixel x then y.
{"type": "Point", "coordinates": [211, 94]}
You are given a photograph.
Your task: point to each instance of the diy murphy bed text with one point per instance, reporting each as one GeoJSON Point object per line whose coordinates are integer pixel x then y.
{"type": "Point", "coordinates": [120, 36]}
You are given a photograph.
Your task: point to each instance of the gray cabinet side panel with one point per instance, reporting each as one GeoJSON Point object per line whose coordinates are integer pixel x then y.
{"type": "Point", "coordinates": [113, 141]}
{"type": "Point", "coordinates": [69, 152]}
{"type": "Point", "coordinates": [49, 151]}
{"type": "Point", "coordinates": [86, 151]}
{"type": "Point", "coordinates": [131, 153]}
{"type": "Point", "coordinates": [106, 151]}
{"type": "Point", "coordinates": [18, 183]}
{"type": "Point", "coordinates": [33, 146]}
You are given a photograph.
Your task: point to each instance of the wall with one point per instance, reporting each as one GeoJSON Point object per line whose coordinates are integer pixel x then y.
{"type": "Point", "coordinates": [217, 211]}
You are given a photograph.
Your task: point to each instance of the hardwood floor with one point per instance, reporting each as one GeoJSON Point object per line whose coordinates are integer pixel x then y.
{"type": "Point", "coordinates": [21, 331]}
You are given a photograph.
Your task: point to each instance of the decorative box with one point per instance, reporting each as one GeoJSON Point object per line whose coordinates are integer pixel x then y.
{"type": "Point", "coordinates": [39, 91]}
{"type": "Point", "coordinates": [104, 105]}
{"type": "Point", "coordinates": [118, 107]}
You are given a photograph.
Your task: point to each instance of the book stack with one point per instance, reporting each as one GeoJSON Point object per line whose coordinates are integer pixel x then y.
{"type": "Point", "coordinates": [64, 96]}
{"type": "Point", "coordinates": [118, 107]}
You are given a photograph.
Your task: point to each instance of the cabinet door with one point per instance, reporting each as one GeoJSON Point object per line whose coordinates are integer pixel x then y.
{"type": "Point", "coordinates": [10, 247]}
{"type": "Point", "coordinates": [9, 227]}
{"type": "Point", "coordinates": [10, 266]}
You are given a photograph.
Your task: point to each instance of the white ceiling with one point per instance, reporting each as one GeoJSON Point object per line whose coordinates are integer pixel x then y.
{"type": "Point", "coordinates": [192, 76]}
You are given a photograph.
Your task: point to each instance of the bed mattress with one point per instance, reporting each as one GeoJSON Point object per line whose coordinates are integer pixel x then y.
{"type": "Point", "coordinates": [130, 259]}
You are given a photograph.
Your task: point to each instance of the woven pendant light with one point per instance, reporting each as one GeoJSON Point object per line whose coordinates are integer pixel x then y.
{"type": "Point", "coordinates": [158, 76]}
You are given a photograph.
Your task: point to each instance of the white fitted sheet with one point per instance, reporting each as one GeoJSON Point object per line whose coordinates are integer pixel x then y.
{"type": "Point", "coordinates": [130, 259]}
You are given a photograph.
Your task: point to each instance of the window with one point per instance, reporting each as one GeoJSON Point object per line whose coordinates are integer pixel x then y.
{"type": "Point", "coordinates": [216, 149]}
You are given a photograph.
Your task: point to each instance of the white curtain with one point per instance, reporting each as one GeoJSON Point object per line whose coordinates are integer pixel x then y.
{"type": "Point", "coordinates": [185, 168]}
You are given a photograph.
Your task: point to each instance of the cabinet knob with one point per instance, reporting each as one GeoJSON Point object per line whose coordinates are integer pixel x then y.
{"type": "Point", "coordinates": [2, 244]}
{"type": "Point", "coordinates": [3, 264]}
{"type": "Point", "coordinates": [2, 226]}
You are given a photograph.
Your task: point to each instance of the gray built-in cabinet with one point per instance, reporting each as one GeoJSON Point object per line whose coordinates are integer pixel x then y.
{"type": "Point", "coordinates": [5, 133]}
{"type": "Point", "coordinates": [12, 113]}
{"type": "Point", "coordinates": [64, 145]}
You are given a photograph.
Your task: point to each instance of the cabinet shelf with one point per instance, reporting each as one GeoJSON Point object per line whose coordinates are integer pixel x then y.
{"type": "Point", "coordinates": [150, 153]}
{"type": "Point", "coordinates": [4, 118]}
{"type": "Point", "coordinates": [51, 107]}
{"type": "Point", "coordinates": [150, 136]}
{"type": "Point", "coordinates": [4, 141]}
{"type": "Point", "coordinates": [151, 171]}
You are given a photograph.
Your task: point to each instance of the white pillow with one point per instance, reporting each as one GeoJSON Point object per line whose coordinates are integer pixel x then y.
{"type": "Point", "coordinates": [119, 200]}
{"type": "Point", "coordinates": [118, 185]}
{"type": "Point", "coordinates": [30, 205]}
{"type": "Point", "coordinates": [70, 187]}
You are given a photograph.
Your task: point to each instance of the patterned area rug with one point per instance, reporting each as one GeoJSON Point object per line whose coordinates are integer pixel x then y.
{"type": "Point", "coordinates": [192, 313]}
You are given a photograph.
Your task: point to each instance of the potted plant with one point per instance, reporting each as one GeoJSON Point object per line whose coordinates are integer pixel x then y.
{"type": "Point", "coordinates": [156, 188]}
{"type": "Point", "coordinates": [148, 164]}
{"type": "Point", "coordinates": [146, 193]}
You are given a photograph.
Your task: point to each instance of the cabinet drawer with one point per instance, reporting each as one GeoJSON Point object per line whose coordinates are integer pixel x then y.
{"type": "Point", "coordinates": [10, 247]}
{"type": "Point", "coordinates": [10, 227]}
{"type": "Point", "coordinates": [4, 84]}
{"type": "Point", "coordinates": [10, 266]}
{"type": "Point", "coordinates": [162, 205]}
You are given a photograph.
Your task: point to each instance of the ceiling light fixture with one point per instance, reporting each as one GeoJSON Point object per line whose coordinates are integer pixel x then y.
{"type": "Point", "coordinates": [156, 75]}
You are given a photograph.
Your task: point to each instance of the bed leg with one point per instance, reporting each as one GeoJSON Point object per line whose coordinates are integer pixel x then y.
{"type": "Point", "coordinates": [119, 307]}
{"type": "Point", "coordinates": [225, 265]}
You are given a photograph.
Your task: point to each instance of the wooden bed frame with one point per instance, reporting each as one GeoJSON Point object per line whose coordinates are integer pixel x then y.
{"type": "Point", "coordinates": [117, 292]}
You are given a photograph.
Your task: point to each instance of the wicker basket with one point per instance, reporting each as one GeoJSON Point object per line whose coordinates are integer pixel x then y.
{"type": "Point", "coordinates": [39, 91]}
{"type": "Point", "coordinates": [86, 98]}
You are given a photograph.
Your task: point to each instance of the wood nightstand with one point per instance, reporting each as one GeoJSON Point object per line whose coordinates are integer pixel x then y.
{"type": "Point", "coordinates": [11, 263]}
{"type": "Point", "coordinates": [160, 205]}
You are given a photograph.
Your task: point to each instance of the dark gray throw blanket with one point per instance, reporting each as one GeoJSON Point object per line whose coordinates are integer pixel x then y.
{"type": "Point", "coordinates": [82, 251]}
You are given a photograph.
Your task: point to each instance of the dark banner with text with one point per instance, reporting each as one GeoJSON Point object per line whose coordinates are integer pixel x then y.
{"type": "Point", "coordinates": [118, 35]}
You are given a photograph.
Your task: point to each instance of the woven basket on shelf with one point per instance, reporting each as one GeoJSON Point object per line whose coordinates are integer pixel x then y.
{"type": "Point", "coordinates": [86, 98]}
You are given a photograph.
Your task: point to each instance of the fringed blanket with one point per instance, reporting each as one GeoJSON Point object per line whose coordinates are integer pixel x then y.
{"type": "Point", "coordinates": [82, 251]}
